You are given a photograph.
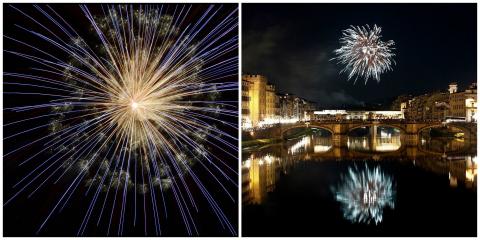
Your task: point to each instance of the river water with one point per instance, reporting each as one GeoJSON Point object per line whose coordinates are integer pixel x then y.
{"type": "Point", "coordinates": [370, 186]}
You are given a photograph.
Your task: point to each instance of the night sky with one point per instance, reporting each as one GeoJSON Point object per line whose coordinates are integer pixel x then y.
{"type": "Point", "coordinates": [292, 45]}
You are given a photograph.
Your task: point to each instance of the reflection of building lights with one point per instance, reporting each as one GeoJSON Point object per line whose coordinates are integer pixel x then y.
{"type": "Point", "coordinates": [384, 147]}
{"type": "Point", "coordinates": [453, 180]}
{"type": "Point", "coordinates": [378, 144]}
{"type": "Point", "coordinates": [321, 148]}
{"type": "Point", "coordinates": [364, 194]}
{"type": "Point", "coordinates": [247, 163]}
{"type": "Point", "coordinates": [471, 171]}
{"type": "Point", "coordinates": [385, 134]}
{"type": "Point", "coordinates": [302, 144]}
{"type": "Point", "coordinates": [260, 162]}
{"type": "Point", "coordinates": [268, 159]}
{"type": "Point", "coordinates": [470, 174]}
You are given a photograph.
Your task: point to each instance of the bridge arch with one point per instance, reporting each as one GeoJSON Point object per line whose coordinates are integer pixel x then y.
{"type": "Point", "coordinates": [286, 129]}
{"type": "Point", "coordinates": [468, 133]}
{"type": "Point", "coordinates": [430, 127]}
{"type": "Point", "coordinates": [453, 125]}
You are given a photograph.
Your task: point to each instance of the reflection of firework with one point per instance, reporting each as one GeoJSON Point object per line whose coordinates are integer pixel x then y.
{"type": "Point", "coordinates": [364, 194]}
{"type": "Point", "coordinates": [363, 53]}
{"type": "Point", "coordinates": [133, 107]}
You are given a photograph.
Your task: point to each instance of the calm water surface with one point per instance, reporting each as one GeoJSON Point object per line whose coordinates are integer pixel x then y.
{"type": "Point", "coordinates": [367, 187]}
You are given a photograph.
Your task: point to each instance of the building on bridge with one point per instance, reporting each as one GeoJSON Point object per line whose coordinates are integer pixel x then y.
{"type": "Point", "coordinates": [338, 115]}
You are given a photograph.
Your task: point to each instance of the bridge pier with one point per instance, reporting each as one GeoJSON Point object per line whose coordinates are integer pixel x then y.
{"type": "Point", "coordinates": [339, 141]}
{"type": "Point", "coordinates": [373, 137]}
{"type": "Point", "coordinates": [339, 152]}
{"type": "Point", "coordinates": [411, 139]}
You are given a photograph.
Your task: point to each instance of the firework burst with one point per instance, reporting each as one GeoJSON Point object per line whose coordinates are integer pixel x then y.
{"type": "Point", "coordinates": [363, 53]}
{"type": "Point", "coordinates": [364, 194]}
{"type": "Point", "coordinates": [134, 114]}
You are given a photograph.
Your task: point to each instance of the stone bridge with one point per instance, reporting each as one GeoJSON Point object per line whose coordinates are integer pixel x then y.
{"type": "Point", "coordinates": [339, 129]}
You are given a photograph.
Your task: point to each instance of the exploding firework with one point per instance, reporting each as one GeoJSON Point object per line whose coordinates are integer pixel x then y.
{"type": "Point", "coordinates": [364, 194]}
{"type": "Point", "coordinates": [131, 111]}
{"type": "Point", "coordinates": [363, 53]}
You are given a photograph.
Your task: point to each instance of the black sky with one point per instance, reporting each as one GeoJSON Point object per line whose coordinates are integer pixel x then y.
{"type": "Point", "coordinates": [292, 44]}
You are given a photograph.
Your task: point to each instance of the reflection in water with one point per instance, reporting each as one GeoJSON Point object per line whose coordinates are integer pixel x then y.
{"type": "Point", "coordinates": [261, 172]}
{"type": "Point", "coordinates": [321, 148]}
{"type": "Point", "coordinates": [468, 165]}
{"type": "Point", "coordinates": [310, 143]}
{"type": "Point", "coordinates": [471, 169]}
{"type": "Point", "coordinates": [305, 144]}
{"type": "Point", "coordinates": [378, 144]}
{"type": "Point", "coordinates": [300, 146]}
{"type": "Point", "coordinates": [441, 144]}
{"type": "Point", "coordinates": [261, 169]}
{"type": "Point", "coordinates": [364, 194]}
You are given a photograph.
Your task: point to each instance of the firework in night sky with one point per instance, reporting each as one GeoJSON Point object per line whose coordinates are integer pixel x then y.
{"type": "Point", "coordinates": [363, 54]}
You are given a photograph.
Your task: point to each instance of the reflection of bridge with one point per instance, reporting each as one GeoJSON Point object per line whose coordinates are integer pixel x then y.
{"type": "Point", "coordinates": [347, 154]}
{"type": "Point", "coordinates": [261, 169]}
{"type": "Point", "coordinates": [338, 129]}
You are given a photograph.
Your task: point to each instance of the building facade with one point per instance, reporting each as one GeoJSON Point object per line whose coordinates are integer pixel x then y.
{"type": "Point", "coordinates": [257, 97]}
{"type": "Point", "coordinates": [287, 105]}
{"type": "Point", "coordinates": [464, 104]}
{"type": "Point", "coordinates": [259, 100]}
{"type": "Point", "coordinates": [271, 102]}
{"type": "Point", "coordinates": [336, 115]}
{"type": "Point", "coordinates": [439, 106]}
{"type": "Point", "coordinates": [246, 103]}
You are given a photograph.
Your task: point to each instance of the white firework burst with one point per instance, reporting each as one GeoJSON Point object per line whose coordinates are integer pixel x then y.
{"type": "Point", "coordinates": [364, 194]}
{"type": "Point", "coordinates": [363, 53]}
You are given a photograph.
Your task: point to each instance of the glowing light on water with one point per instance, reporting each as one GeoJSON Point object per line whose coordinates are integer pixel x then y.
{"type": "Point", "coordinates": [363, 53]}
{"type": "Point", "coordinates": [247, 163]}
{"type": "Point", "coordinates": [471, 168]}
{"type": "Point", "coordinates": [300, 145]}
{"type": "Point", "coordinates": [384, 134]}
{"type": "Point", "coordinates": [363, 194]}
{"type": "Point", "coordinates": [321, 148]}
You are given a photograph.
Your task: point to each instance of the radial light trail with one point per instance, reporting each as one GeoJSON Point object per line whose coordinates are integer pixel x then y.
{"type": "Point", "coordinates": [134, 113]}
